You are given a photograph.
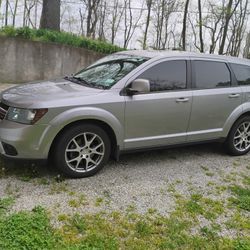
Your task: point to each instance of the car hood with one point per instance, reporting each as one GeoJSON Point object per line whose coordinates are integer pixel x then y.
{"type": "Point", "coordinates": [26, 95]}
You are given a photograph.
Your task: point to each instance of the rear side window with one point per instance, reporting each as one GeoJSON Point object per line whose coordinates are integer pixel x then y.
{"type": "Point", "coordinates": [210, 74]}
{"type": "Point", "coordinates": [170, 75]}
{"type": "Point", "coordinates": [242, 73]}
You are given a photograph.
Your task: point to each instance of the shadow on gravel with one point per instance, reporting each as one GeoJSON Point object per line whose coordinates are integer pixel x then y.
{"type": "Point", "coordinates": [201, 150]}
{"type": "Point", "coordinates": [28, 171]}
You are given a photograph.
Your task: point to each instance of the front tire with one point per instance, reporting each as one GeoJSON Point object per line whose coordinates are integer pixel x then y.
{"type": "Point", "coordinates": [82, 150]}
{"type": "Point", "coordinates": [238, 140]}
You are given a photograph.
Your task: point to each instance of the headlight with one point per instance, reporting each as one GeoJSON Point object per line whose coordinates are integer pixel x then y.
{"type": "Point", "coordinates": [25, 116]}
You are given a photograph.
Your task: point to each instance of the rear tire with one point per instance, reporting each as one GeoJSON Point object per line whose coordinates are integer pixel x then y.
{"type": "Point", "coordinates": [82, 150]}
{"type": "Point", "coordinates": [238, 140]}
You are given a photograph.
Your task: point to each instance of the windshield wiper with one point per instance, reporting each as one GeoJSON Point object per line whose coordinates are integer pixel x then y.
{"type": "Point", "coordinates": [79, 80]}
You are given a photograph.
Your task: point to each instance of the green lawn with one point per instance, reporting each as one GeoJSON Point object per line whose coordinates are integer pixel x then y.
{"type": "Point", "coordinates": [128, 230]}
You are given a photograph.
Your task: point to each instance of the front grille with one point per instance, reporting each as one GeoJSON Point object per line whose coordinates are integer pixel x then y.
{"type": "Point", "coordinates": [3, 110]}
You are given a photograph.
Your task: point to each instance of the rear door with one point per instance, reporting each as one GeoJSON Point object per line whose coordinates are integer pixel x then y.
{"type": "Point", "coordinates": [215, 96]}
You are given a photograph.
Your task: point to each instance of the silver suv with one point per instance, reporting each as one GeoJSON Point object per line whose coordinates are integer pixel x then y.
{"type": "Point", "coordinates": [128, 101]}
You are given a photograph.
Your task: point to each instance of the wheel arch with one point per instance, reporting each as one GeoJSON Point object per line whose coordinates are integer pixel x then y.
{"type": "Point", "coordinates": [106, 127]}
{"type": "Point", "coordinates": [235, 116]}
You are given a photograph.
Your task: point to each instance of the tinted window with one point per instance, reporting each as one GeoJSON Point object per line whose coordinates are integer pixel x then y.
{"type": "Point", "coordinates": [211, 75]}
{"type": "Point", "coordinates": [166, 76]}
{"type": "Point", "coordinates": [242, 73]}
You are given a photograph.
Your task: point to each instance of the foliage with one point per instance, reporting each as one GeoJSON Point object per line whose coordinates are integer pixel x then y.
{"type": "Point", "coordinates": [61, 38]}
{"type": "Point", "coordinates": [27, 230]}
{"type": "Point", "coordinates": [5, 203]}
{"type": "Point", "coordinates": [242, 199]}
{"type": "Point", "coordinates": [128, 230]}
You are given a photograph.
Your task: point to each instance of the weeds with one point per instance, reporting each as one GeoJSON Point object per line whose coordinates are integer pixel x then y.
{"type": "Point", "coordinates": [61, 38]}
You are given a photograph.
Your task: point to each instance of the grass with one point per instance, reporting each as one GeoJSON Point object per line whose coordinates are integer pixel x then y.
{"type": "Point", "coordinates": [60, 38]}
{"type": "Point", "coordinates": [31, 230]}
{"type": "Point", "coordinates": [241, 194]}
{"type": "Point", "coordinates": [242, 197]}
{"type": "Point", "coordinates": [195, 223]}
{"type": "Point", "coordinates": [78, 201]}
{"type": "Point", "coordinates": [27, 230]}
{"type": "Point", "coordinates": [5, 203]}
{"type": "Point", "coordinates": [116, 230]}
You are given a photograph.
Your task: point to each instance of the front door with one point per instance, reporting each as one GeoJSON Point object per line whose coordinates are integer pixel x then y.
{"type": "Point", "coordinates": [160, 117]}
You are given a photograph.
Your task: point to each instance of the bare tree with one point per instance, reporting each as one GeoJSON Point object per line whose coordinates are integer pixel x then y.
{"type": "Point", "coordinates": [237, 29]}
{"type": "Point", "coordinates": [246, 52]}
{"type": "Point", "coordinates": [229, 13]}
{"type": "Point", "coordinates": [130, 22]}
{"type": "Point", "coordinates": [50, 18]}
{"type": "Point", "coordinates": [27, 20]}
{"type": "Point", "coordinates": [162, 9]}
{"type": "Point", "coordinates": [92, 16]}
{"type": "Point", "coordinates": [200, 27]}
{"type": "Point", "coordinates": [214, 23]}
{"type": "Point", "coordinates": [149, 8]}
{"type": "Point", "coordinates": [82, 19]}
{"type": "Point", "coordinates": [102, 18]}
{"type": "Point", "coordinates": [184, 27]}
{"type": "Point", "coordinates": [36, 12]}
{"type": "Point", "coordinates": [6, 12]}
{"type": "Point", "coordinates": [116, 17]}
{"type": "Point", "coordinates": [14, 13]}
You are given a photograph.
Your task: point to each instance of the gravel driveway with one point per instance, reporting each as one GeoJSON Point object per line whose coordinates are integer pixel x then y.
{"type": "Point", "coordinates": [140, 181]}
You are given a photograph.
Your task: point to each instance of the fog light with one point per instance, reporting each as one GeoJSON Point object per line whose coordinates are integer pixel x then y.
{"type": "Point", "coordinates": [9, 149]}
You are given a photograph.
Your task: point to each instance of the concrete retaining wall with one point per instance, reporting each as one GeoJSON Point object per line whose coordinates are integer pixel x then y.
{"type": "Point", "coordinates": [23, 60]}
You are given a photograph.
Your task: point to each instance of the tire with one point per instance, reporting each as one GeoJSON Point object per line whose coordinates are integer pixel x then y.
{"type": "Point", "coordinates": [82, 150]}
{"type": "Point", "coordinates": [238, 140]}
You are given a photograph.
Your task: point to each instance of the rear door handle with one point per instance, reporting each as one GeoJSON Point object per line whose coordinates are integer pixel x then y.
{"type": "Point", "coordinates": [234, 95]}
{"type": "Point", "coordinates": [182, 99]}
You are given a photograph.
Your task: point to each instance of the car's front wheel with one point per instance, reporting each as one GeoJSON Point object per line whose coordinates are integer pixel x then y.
{"type": "Point", "coordinates": [238, 141]}
{"type": "Point", "coordinates": [82, 150]}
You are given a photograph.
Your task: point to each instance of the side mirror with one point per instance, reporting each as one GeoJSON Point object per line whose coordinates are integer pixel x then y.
{"type": "Point", "coordinates": [139, 86]}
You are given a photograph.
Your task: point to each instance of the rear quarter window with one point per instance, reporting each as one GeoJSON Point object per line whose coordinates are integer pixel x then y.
{"type": "Point", "coordinates": [242, 73]}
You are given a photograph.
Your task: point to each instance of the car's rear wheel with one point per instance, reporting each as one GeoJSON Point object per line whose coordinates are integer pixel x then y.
{"type": "Point", "coordinates": [82, 150]}
{"type": "Point", "coordinates": [238, 141]}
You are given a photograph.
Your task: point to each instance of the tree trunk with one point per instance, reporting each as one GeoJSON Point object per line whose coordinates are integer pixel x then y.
{"type": "Point", "coordinates": [149, 5]}
{"type": "Point", "coordinates": [6, 12]}
{"type": "Point", "coordinates": [224, 36]}
{"type": "Point", "coordinates": [50, 18]}
{"type": "Point", "coordinates": [184, 26]}
{"type": "Point", "coordinates": [14, 14]}
{"type": "Point", "coordinates": [200, 27]}
{"type": "Point", "coordinates": [36, 13]}
{"type": "Point", "coordinates": [246, 53]}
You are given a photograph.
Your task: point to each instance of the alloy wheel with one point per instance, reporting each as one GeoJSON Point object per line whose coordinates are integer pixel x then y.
{"type": "Point", "coordinates": [241, 140]}
{"type": "Point", "coordinates": [84, 152]}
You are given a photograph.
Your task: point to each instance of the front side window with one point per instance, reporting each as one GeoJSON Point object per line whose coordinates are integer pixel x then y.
{"type": "Point", "coordinates": [106, 73]}
{"type": "Point", "coordinates": [210, 74]}
{"type": "Point", "coordinates": [170, 75]}
{"type": "Point", "coordinates": [242, 73]}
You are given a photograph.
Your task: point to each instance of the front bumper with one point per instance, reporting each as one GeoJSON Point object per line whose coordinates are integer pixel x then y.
{"type": "Point", "coordinates": [28, 140]}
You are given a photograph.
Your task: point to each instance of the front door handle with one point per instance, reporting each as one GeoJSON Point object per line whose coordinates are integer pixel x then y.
{"type": "Point", "coordinates": [182, 99]}
{"type": "Point", "coordinates": [234, 95]}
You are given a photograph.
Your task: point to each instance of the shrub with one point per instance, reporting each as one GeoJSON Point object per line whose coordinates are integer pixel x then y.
{"type": "Point", "coordinates": [61, 38]}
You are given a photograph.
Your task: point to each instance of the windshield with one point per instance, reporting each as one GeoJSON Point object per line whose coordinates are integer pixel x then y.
{"type": "Point", "coordinates": [106, 73]}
